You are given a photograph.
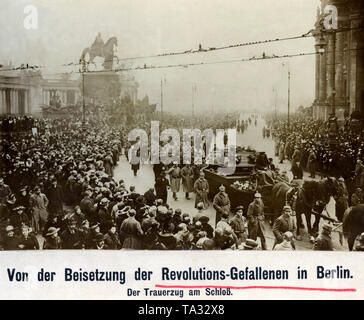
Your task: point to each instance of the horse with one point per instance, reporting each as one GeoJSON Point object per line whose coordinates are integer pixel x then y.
{"type": "Point", "coordinates": [282, 194]}
{"type": "Point", "coordinates": [105, 51]}
{"type": "Point", "coordinates": [353, 224]}
{"type": "Point", "coordinates": [312, 198]}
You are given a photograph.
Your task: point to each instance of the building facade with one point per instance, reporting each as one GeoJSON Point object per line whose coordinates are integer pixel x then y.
{"type": "Point", "coordinates": [26, 92]}
{"type": "Point", "coordinates": [339, 83]}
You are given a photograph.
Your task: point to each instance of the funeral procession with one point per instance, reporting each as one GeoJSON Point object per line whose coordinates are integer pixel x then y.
{"type": "Point", "coordinates": [184, 136]}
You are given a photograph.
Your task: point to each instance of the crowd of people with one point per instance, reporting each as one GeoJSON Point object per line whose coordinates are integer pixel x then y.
{"type": "Point", "coordinates": [306, 142]}
{"type": "Point", "coordinates": [58, 191]}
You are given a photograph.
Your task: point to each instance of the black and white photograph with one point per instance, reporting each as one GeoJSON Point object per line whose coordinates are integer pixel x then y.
{"type": "Point", "coordinates": [182, 125]}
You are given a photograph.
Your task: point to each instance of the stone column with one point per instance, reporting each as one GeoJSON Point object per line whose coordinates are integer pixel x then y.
{"type": "Point", "coordinates": [353, 63]}
{"type": "Point", "coordinates": [330, 66]}
{"type": "Point", "coordinates": [339, 65]}
{"type": "Point", "coordinates": [323, 77]}
{"type": "Point", "coordinates": [317, 75]}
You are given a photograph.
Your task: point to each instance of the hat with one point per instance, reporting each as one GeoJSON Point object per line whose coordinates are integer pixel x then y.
{"type": "Point", "coordinates": [9, 228]}
{"type": "Point", "coordinates": [24, 189]}
{"type": "Point", "coordinates": [19, 208]}
{"type": "Point", "coordinates": [257, 195]}
{"type": "Point", "coordinates": [94, 225]}
{"type": "Point", "coordinates": [99, 237]}
{"type": "Point", "coordinates": [175, 162]}
{"type": "Point", "coordinates": [250, 244]}
{"type": "Point", "coordinates": [287, 208]}
{"type": "Point", "coordinates": [222, 188]}
{"type": "Point", "coordinates": [341, 179]}
{"type": "Point", "coordinates": [52, 230]}
{"type": "Point", "coordinates": [327, 227]}
{"type": "Point", "coordinates": [238, 208]}
{"type": "Point", "coordinates": [204, 218]}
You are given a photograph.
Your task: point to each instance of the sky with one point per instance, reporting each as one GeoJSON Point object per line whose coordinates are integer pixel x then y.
{"type": "Point", "coordinates": [148, 27]}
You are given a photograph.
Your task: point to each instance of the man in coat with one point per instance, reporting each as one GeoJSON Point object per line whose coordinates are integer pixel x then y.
{"type": "Point", "coordinates": [55, 197]}
{"type": "Point", "coordinates": [201, 187]}
{"type": "Point", "coordinates": [72, 238]}
{"type": "Point", "coordinates": [239, 225]}
{"type": "Point", "coordinates": [283, 223]}
{"type": "Point", "coordinates": [255, 215]}
{"type": "Point", "coordinates": [131, 232]}
{"type": "Point", "coordinates": [38, 203]}
{"type": "Point", "coordinates": [323, 242]}
{"type": "Point", "coordinates": [311, 163]}
{"type": "Point", "coordinates": [187, 175]}
{"type": "Point", "coordinates": [161, 186]}
{"type": "Point", "coordinates": [357, 197]}
{"type": "Point", "coordinates": [175, 179]}
{"type": "Point", "coordinates": [221, 203]}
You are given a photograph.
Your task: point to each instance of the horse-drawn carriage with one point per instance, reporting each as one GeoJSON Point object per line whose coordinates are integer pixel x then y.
{"type": "Point", "coordinates": [244, 182]}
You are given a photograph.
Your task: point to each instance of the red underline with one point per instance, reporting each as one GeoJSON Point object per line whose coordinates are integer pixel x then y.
{"type": "Point", "coordinates": [258, 287]}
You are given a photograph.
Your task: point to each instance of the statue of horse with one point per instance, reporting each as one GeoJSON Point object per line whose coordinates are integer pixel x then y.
{"type": "Point", "coordinates": [353, 223]}
{"type": "Point", "coordinates": [99, 49]}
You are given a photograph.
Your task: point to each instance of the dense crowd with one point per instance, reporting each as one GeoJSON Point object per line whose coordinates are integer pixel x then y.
{"type": "Point", "coordinates": [306, 141]}
{"type": "Point", "coordinates": [58, 191]}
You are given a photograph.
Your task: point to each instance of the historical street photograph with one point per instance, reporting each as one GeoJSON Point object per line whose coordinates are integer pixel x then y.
{"type": "Point", "coordinates": [182, 125]}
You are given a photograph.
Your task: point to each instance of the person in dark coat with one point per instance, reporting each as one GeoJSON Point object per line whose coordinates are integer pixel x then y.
{"type": "Point", "coordinates": [72, 238]}
{"type": "Point", "coordinates": [52, 240]}
{"type": "Point", "coordinates": [283, 224]}
{"type": "Point", "coordinates": [161, 186]}
{"type": "Point", "coordinates": [112, 239]}
{"type": "Point", "coordinates": [150, 197]}
{"type": "Point", "coordinates": [99, 242]}
{"type": "Point", "coordinates": [255, 216]}
{"type": "Point", "coordinates": [87, 205]}
{"type": "Point", "coordinates": [132, 232]}
{"type": "Point", "coordinates": [323, 242]}
{"type": "Point", "coordinates": [11, 241]}
{"type": "Point", "coordinates": [28, 241]}
{"type": "Point", "coordinates": [19, 218]}
{"type": "Point", "coordinates": [55, 197]}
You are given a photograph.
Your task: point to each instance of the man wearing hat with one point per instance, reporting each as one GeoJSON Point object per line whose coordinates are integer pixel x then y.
{"type": "Point", "coordinates": [72, 238]}
{"type": "Point", "coordinates": [28, 240]}
{"type": "Point", "coordinates": [357, 197]}
{"type": "Point", "coordinates": [131, 231]}
{"type": "Point", "coordinates": [52, 239]}
{"type": "Point", "coordinates": [255, 215]}
{"type": "Point", "coordinates": [150, 197]}
{"type": "Point", "coordinates": [311, 163]}
{"type": "Point", "coordinates": [93, 230]}
{"type": "Point", "coordinates": [19, 217]}
{"type": "Point", "coordinates": [161, 185]}
{"type": "Point", "coordinates": [239, 224]}
{"type": "Point", "coordinates": [99, 242]}
{"type": "Point", "coordinates": [221, 203]}
{"type": "Point", "coordinates": [282, 224]}
{"type": "Point", "coordinates": [55, 197]}
{"type": "Point", "coordinates": [205, 226]}
{"type": "Point", "coordinates": [11, 241]}
{"type": "Point", "coordinates": [341, 199]}
{"type": "Point", "coordinates": [187, 175]}
{"type": "Point", "coordinates": [38, 204]}
{"type": "Point", "coordinates": [323, 242]}
{"type": "Point", "coordinates": [175, 179]}
{"type": "Point", "coordinates": [201, 187]}
{"type": "Point", "coordinates": [87, 205]}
